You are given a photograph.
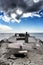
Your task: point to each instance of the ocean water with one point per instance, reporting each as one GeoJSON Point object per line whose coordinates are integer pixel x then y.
{"type": "Point", "coordinates": [7, 35]}
{"type": "Point", "coordinates": [37, 35]}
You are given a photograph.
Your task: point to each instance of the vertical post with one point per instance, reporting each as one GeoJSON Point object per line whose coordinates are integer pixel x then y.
{"type": "Point", "coordinates": [26, 38]}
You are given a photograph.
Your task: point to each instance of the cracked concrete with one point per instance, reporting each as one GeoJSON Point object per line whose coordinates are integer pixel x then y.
{"type": "Point", "coordinates": [34, 56]}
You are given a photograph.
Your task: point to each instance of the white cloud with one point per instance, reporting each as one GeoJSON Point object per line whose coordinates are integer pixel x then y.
{"type": "Point", "coordinates": [19, 11]}
{"type": "Point", "coordinates": [6, 18]}
{"type": "Point", "coordinates": [8, 29]}
{"type": "Point", "coordinates": [36, 1]}
{"type": "Point", "coordinates": [12, 19]}
{"type": "Point", "coordinates": [25, 15]}
{"type": "Point", "coordinates": [5, 28]}
{"type": "Point", "coordinates": [37, 15]}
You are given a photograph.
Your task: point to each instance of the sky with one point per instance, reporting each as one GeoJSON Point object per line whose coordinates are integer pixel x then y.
{"type": "Point", "coordinates": [24, 20]}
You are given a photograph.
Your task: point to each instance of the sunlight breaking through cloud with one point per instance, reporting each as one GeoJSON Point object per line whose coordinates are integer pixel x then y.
{"type": "Point", "coordinates": [13, 15]}
{"type": "Point", "coordinates": [14, 10]}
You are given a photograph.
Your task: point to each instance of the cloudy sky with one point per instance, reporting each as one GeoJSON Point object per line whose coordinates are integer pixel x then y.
{"type": "Point", "coordinates": [21, 16]}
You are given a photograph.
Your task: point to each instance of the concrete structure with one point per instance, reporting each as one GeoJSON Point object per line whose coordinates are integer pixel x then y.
{"type": "Point", "coordinates": [21, 45]}
{"type": "Point", "coordinates": [21, 42]}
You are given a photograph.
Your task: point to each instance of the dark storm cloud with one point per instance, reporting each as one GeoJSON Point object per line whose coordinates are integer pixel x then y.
{"type": "Point", "coordinates": [10, 6]}
{"type": "Point", "coordinates": [24, 4]}
{"type": "Point", "coordinates": [33, 6]}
